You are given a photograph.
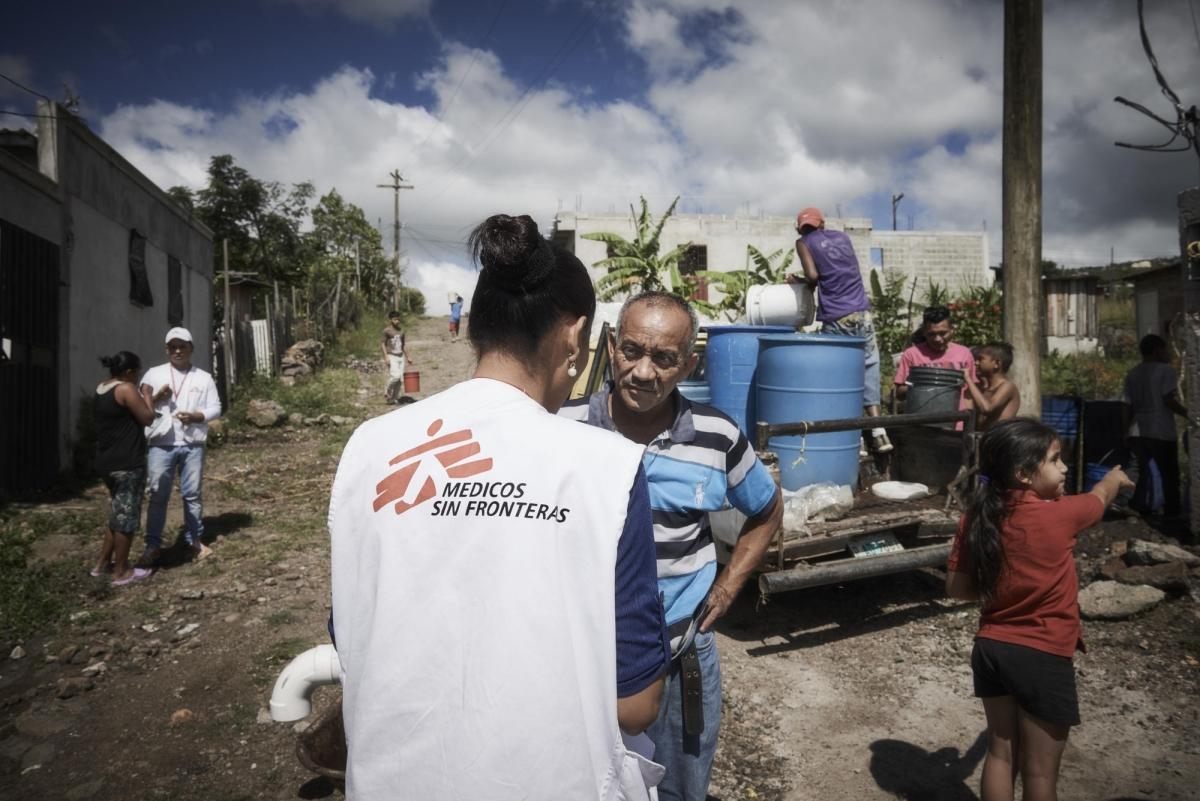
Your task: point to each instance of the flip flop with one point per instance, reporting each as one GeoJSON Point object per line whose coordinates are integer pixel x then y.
{"type": "Point", "coordinates": [138, 574]}
{"type": "Point", "coordinates": [94, 573]}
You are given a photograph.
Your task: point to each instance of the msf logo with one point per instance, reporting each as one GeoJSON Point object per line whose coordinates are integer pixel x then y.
{"type": "Point", "coordinates": [426, 467]}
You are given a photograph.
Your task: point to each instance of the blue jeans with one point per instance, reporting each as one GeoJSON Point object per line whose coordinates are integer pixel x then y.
{"type": "Point", "coordinates": [161, 465]}
{"type": "Point", "coordinates": [688, 759]}
{"type": "Point", "coordinates": [860, 324]}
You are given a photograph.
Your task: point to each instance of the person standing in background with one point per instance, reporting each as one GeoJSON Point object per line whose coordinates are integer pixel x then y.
{"type": "Point", "coordinates": [455, 316]}
{"type": "Point", "coordinates": [120, 413]}
{"type": "Point", "coordinates": [937, 348]}
{"type": "Point", "coordinates": [187, 396]}
{"type": "Point", "coordinates": [1150, 403]}
{"type": "Point", "coordinates": [394, 356]}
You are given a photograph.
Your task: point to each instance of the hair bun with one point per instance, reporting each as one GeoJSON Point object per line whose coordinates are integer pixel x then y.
{"type": "Point", "coordinates": [513, 252]}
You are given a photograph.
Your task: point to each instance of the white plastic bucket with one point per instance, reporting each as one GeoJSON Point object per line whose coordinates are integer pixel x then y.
{"type": "Point", "coordinates": [780, 304]}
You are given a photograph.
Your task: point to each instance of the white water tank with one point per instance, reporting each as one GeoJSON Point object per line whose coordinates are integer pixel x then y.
{"type": "Point", "coordinates": [780, 304]}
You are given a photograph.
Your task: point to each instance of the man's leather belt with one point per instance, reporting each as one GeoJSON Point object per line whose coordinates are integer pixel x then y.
{"type": "Point", "coordinates": [691, 683]}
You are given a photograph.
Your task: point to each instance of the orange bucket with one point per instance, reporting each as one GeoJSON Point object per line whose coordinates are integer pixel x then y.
{"type": "Point", "coordinates": [412, 382]}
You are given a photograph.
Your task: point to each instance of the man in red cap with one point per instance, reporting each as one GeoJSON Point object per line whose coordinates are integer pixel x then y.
{"type": "Point", "coordinates": [831, 267]}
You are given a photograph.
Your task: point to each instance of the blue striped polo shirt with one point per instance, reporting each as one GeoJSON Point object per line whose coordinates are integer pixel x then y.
{"type": "Point", "coordinates": [701, 464]}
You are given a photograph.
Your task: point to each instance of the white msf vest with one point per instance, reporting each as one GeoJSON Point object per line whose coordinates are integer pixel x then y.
{"type": "Point", "coordinates": [474, 551]}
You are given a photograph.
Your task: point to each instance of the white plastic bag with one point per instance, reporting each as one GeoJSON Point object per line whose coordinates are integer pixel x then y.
{"type": "Point", "coordinates": [816, 503]}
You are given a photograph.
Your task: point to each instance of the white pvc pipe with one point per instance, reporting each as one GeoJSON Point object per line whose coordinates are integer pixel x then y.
{"type": "Point", "coordinates": [292, 697]}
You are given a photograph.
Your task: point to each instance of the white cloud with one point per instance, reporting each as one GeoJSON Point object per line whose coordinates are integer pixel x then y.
{"type": "Point", "coordinates": [382, 13]}
{"type": "Point", "coordinates": [794, 103]}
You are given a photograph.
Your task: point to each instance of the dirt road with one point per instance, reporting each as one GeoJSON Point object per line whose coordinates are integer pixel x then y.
{"type": "Point", "coordinates": [854, 692]}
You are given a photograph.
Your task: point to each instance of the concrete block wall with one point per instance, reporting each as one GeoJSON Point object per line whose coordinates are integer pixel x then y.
{"type": "Point", "coordinates": [957, 259]}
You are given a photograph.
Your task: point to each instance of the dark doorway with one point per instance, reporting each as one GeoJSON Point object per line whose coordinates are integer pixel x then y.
{"type": "Point", "coordinates": [29, 359]}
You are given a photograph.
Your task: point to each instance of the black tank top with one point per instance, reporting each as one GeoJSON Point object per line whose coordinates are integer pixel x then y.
{"type": "Point", "coordinates": [120, 442]}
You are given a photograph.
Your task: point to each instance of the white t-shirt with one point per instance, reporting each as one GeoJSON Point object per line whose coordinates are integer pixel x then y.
{"type": "Point", "coordinates": [1146, 386]}
{"type": "Point", "coordinates": [193, 391]}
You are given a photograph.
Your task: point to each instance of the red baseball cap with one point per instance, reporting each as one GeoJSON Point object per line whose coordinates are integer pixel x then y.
{"type": "Point", "coordinates": [810, 216]}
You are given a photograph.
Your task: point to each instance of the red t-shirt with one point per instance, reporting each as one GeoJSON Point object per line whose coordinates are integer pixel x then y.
{"type": "Point", "coordinates": [1036, 602]}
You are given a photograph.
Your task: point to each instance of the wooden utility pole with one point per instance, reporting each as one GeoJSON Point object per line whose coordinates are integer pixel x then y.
{"type": "Point", "coordinates": [1022, 201]}
{"type": "Point", "coordinates": [228, 344]}
{"type": "Point", "coordinates": [1189, 245]}
{"type": "Point", "coordinates": [396, 185]}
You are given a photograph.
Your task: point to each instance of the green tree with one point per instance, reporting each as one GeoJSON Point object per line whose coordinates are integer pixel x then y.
{"type": "Point", "coordinates": [261, 220]}
{"type": "Point", "coordinates": [637, 265]}
{"type": "Point", "coordinates": [891, 313]}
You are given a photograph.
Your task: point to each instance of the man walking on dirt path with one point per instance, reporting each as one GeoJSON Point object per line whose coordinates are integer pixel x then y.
{"type": "Point", "coordinates": [695, 459]}
{"type": "Point", "coordinates": [394, 356]}
{"type": "Point", "coordinates": [186, 396]}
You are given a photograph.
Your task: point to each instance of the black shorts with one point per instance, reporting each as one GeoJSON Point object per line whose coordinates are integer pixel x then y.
{"type": "Point", "coordinates": [1043, 684]}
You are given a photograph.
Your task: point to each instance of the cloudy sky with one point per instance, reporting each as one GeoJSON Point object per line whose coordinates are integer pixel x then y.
{"type": "Point", "coordinates": [760, 106]}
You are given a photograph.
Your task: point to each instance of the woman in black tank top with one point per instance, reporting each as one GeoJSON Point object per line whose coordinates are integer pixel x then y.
{"type": "Point", "coordinates": [121, 412]}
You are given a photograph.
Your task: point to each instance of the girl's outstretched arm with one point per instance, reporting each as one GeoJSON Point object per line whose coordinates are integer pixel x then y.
{"type": "Point", "coordinates": [961, 586]}
{"type": "Point", "coordinates": [1110, 486]}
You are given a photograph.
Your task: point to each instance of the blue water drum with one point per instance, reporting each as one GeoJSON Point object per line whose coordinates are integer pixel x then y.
{"type": "Point", "coordinates": [812, 377]}
{"type": "Point", "coordinates": [1061, 412]}
{"type": "Point", "coordinates": [696, 391]}
{"type": "Point", "coordinates": [731, 358]}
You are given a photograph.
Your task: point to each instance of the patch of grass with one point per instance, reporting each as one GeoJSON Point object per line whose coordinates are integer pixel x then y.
{"type": "Point", "coordinates": [34, 595]}
{"type": "Point", "coordinates": [330, 390]}
{"type": "Point", "coordinates": [281, 618]}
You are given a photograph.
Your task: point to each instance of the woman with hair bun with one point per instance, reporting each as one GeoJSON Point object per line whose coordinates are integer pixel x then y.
{"type": "Point", "coordinates": [121, 413]}
{"type": "Point", "coordinates": [495, 606]}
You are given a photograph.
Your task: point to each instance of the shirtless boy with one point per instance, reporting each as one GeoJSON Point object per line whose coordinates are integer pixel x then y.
{"type": "Point", "coordinates": [996, 398]}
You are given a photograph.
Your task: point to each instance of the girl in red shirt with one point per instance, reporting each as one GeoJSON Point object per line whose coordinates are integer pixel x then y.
{"type": "Point", "coordinates": [1014, 554]}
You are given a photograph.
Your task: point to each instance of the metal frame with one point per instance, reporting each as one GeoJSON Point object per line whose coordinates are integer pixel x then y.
{"type": "Point", "coordinates": [781, 579]}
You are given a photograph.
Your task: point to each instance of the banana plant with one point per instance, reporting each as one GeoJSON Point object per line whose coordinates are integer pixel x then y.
{"type": "Point", "coordinates": [637, 265]}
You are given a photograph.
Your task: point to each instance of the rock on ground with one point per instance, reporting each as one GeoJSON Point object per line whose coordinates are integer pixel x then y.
{"type": "Point", "coordinates": [1110, 600]}
{"type": "Point", "coordinates": [265, 413]}
{"type": "Point", "coordinates": [1142, 552]}
{"type": "Point", "coordinates": [1167, 576]}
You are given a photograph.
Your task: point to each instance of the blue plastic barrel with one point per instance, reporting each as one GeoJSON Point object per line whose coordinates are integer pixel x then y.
{"type": "Point", "coordinates": [812, 377]}
{"type": "Point", "coordinates": [731, 357]}
{"type": "Point", "coordinates": [1061, 412]}
{"type": "Point", "coordinates": [696, 391]}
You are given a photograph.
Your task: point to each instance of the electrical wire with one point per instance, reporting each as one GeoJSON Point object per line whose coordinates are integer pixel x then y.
{"type": "Point", "coordinates": [26, 114]}
{"type": "Point", "coordinates": [569, 43]}
{"type": "Point", "coordinates": [1186, 119]}
{"type": "Point", "coordinates": [442, 114]}
{"type": "Point", "coordinates": [1195, 26]}
{"type": "Point", "coordinates": [33, 92]}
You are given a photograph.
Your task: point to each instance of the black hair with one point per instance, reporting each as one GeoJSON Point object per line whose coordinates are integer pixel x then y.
{"type": "Point", "coordinates": [393, 313]}
{"type": "Point", "coordinates": [1152, 344]}
{"type": "Point", "coordinates": [526, 285]}
{"type": "Point", "coordinates": [1001, 352]}
{"type": "Point", "coordinates": [660, 298]}
{"type": "Point", "coordinates": [1018, 445]}
{"type": "Point", "coordinates": [121, 361]}
{"type": "Point", "coordinates": [934, 315]}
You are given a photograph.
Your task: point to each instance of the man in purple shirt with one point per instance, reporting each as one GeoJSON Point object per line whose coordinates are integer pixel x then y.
{"type": "Point", "coordinates": [842, 306]}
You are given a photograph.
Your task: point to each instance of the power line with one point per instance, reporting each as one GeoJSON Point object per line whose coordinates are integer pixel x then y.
{"type": "Point", "coordinates": [446, 108]}
{"type": "Point", "coordinates": [572, 40]}
{"type": "Point", "coordinates": [26, 88]}
{"type": "Point", "coordinates": [26, 114]}
{"type": "Point", "coordinates": [1195, 26]}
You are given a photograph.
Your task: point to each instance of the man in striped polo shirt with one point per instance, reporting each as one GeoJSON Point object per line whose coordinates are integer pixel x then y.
{"type": "Point", "coordinates": [697, 461]}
